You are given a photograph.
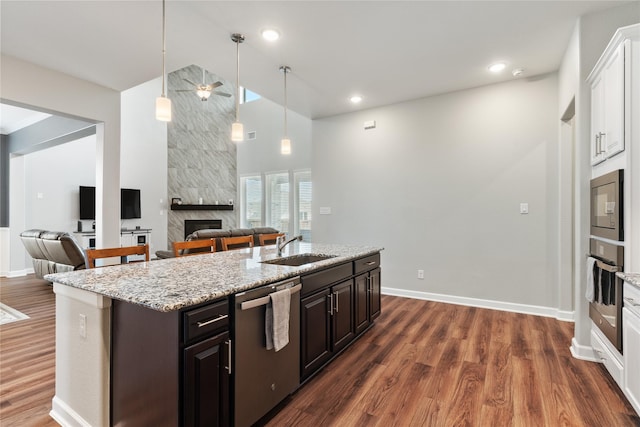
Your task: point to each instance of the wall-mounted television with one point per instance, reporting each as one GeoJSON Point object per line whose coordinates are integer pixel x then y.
{"type": "Point", "coordinates": [87, 202]}
{"type": "Point", "coordinates": [129, 203]}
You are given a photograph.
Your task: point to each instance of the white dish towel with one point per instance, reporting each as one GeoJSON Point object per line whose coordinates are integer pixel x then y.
{"type": "Point", "coordinates": [591, 283]}
{"type": "Point", "coordinates": [277, 319]}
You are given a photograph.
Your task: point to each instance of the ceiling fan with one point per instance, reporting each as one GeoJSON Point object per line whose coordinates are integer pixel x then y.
{"type": "Point", "coordinates": [204, 90]}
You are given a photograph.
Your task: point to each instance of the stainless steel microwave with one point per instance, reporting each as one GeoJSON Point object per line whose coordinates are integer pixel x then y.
{"type": "Point", "coordinates": [607, 206]}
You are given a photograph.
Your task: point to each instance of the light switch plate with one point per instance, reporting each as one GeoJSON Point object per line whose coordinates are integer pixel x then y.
{"type": "Point", "coordinates": [325, 210]}
{"type": "Point", "coordinates": [524, 208]}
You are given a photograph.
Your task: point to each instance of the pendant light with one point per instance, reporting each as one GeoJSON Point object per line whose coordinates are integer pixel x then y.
{"type": "Point", "coordinates": [237, 130]}
{"type": "Point", "coordinates": [285, 143]}
{"type": "Point", "coordinates": [163, 104]}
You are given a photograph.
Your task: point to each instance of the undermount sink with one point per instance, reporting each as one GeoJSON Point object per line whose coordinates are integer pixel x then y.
{"type": "Point", "coordinates": [298, 260]}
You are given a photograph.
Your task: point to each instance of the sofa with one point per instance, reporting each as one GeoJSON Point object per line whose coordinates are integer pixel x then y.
{"type": "Point", "coordinates": [53, 251]}
{"type": "Point", "coordinates": [217, 235]}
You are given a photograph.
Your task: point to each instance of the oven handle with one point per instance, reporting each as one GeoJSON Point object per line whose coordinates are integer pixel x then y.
{"type": "Point", "coordinates": [264, 300]}
{"type": "Point", "coordinates": [607, 267]}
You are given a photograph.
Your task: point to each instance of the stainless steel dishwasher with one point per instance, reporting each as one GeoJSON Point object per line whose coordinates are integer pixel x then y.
{"type": "Point", "coordinates": [263, 378]}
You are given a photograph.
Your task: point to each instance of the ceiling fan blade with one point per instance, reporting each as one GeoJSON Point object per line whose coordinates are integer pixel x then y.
{"type": "Point", "coordinates": [226, 95]}
{"type": "Point", "coordinates": [215, 85]}
{"type": "Point", "coordinates": [183, 90]}
{"type": "Point", "coordinates": [189, 81]}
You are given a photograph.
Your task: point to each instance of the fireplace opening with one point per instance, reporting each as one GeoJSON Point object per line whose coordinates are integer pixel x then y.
{"type": "Point", "coordinates": [191, 225]}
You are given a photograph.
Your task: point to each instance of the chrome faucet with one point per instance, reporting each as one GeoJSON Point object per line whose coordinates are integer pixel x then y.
{"type": "Point", "coordinates": [281, 242]}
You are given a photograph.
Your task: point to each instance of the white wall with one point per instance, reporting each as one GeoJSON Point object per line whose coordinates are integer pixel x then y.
{"type": "Point", "coordinates": [439, 184]}
{"type": "Point", "coordinates": [266, 118]}
{"type": "Point", "coordinates": [143, 159]}
{"type": "Point", "coordinates": [58, 207]}
{"type": "Point", "coordinates": [67, 95]}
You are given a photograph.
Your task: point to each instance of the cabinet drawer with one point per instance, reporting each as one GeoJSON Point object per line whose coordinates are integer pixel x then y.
{"type": "Point", "coordinates": [366, 263]}
{"type": "Point", "coordinates": [205, 320]}
{"type": "Point", "coordinates": [315, 281]}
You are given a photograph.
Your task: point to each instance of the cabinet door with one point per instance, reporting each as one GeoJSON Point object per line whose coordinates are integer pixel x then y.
{"type": "Point", "coordinates": [342, 313]}
{"type": "Point", "coordinates": [315, 335]}
{"type": "Point", "coordinates": [375, 284]}
{"type": "Point", "coordinates": [206, 382]}
{"type": "Point", "coordinates": [361, 309]}
{"type": "Point", "coordinates": [631, 350]}
{"type": "Point", "coordinates": [597, 120]}
{"type": "Point", "coordinates": [613, 138]}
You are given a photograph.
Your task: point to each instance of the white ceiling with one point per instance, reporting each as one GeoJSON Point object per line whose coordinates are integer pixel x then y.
{"type": "Point", "coordinates": [15, 118]}
{"type": "Point", "coordinates": [387, 51]}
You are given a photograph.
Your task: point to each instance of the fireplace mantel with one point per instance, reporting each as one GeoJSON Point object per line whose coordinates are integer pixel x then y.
{"type": "Point", "coordinates": [183, 207]}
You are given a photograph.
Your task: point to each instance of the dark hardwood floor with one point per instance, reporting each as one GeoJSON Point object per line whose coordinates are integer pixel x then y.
{"type": "Point", "coordinates": [27, 353]}
{"type": "Point", "coordinates": [422, 364]}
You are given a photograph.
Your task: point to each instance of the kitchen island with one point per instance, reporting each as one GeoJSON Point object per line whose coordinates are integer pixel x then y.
{"type": "Point", "coordinates": [91, 306]}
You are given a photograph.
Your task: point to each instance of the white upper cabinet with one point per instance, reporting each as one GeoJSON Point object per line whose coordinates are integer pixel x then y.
{"type": "Point", "coordinates": [612, 81]}
{"type": "Point", "coordinates": [607, 104]}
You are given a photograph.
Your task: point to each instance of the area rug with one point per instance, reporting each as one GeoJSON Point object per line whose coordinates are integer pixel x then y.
{"type": "Point", "coordinates": [8, 314]}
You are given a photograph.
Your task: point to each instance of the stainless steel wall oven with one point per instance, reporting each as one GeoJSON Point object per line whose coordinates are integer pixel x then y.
{"type": "Point", "coordinates": [606, 308]}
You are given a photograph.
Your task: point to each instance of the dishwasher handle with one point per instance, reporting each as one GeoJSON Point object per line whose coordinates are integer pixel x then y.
{"type": "Point", "coordinates": [246, 305]}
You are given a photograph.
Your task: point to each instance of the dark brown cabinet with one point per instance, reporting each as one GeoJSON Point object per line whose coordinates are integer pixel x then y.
{"type": "Point", "coordinates": [367, 288]}
{"type": "Point", "coordinates": [169, 368]}
{"type": "Point", "coordinates": [206, 382]}
{"type": "Point", "coordinates": [315, 332]}
{"type": "Point", "coordinates": [327, 325]}
{"type": "Point", "coordinates": [367, 306]}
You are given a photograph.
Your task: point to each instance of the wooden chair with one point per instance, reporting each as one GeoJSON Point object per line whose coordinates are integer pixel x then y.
{"type": "Point", "coordinates": [179, 247]}
{"type": "Point", "coordinates": [94, 254]}
{"type": "Point", "coordinates": [237, 242]}
{"type": "Point", "coordinates": [269, 239]}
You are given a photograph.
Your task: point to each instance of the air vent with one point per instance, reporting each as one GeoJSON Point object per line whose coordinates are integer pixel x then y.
{"type": "Point", "coordinates": [251, 135]}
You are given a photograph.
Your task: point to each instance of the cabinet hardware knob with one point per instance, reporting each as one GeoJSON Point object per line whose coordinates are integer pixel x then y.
{"type": "Point", "coordinates": [336, 296]}
{"type": "Point", "coordinates": [370, 263]}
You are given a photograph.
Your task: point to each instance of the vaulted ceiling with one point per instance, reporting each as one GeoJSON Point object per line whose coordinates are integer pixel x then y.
{"type": "Point", "coordinates": [387, 51]}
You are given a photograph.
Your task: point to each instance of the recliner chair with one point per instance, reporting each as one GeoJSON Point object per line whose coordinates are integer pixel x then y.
{"type": "Point", "coordinates": [53, 251]}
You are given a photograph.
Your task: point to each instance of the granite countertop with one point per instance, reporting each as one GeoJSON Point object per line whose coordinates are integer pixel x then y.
{"type": "Point", "coordinates": [633, 278]}
{"type": "Point", "coordinates": [175, 283]}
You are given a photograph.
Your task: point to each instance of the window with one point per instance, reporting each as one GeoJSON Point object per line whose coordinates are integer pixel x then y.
{"type": "Point", "coordinates": [281, 200]}
{"type": "Point", "coordinates": [251, 201]}
{"type": "Point", "coordinates": [247, 96]}
{"type": "Point", "coordinates": [277, 203]}
{"type": "Point", "coordinates": [302, 204]}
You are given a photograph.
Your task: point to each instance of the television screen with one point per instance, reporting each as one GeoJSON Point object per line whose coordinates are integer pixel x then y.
{"type": "Point", "coordinates": [130, 204]}
{"type": "Point", "coordinates": [87, 202]}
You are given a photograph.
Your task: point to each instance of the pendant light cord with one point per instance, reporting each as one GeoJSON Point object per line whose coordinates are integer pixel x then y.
{"type": "Point", "coordinates": [164, 47]}
{"type": "Point", "coordinates": [237, 80]}
{"type": "Point", "coordinates": [285, 102]}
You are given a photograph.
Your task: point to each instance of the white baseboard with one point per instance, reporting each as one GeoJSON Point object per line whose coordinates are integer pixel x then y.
{"type": "Point", "coordinates": [64, 415]}
{"type": "Point", "coordinates": [17, 273]}
{"type": "Point", "coordinates": [567, 316]}
{"type": "Point", "coordinates": [582, 352]}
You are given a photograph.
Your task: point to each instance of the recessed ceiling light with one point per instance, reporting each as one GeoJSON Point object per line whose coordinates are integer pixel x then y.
{"type": "Point", "coordinates": [270, 34]}
{"type": "Point", "coordinates": [497, 67]}
{"type": "Point", "coordinates": [356, 99]}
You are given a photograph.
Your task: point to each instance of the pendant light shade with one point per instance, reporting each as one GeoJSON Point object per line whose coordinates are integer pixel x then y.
{"type": "Point", "coordinates": [285, 143]}
{"type": "Point", "coordinates": [237, 130]}
{"type": "Point", "coordinates": [163, 104]}
{"type": "Point", "coordinates": [163, 109]}
{"type": "Point", "coordinates": [285, 146]}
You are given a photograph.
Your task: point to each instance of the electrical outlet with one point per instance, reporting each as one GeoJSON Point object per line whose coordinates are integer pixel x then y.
{"type": "Point", "coordinates": [420, 274]}
{"type": "Point", "coordinates": [83, 326]}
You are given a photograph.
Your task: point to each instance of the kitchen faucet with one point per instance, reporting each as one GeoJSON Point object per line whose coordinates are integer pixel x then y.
{"type": "Point", "coordinates": [281, 242]}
